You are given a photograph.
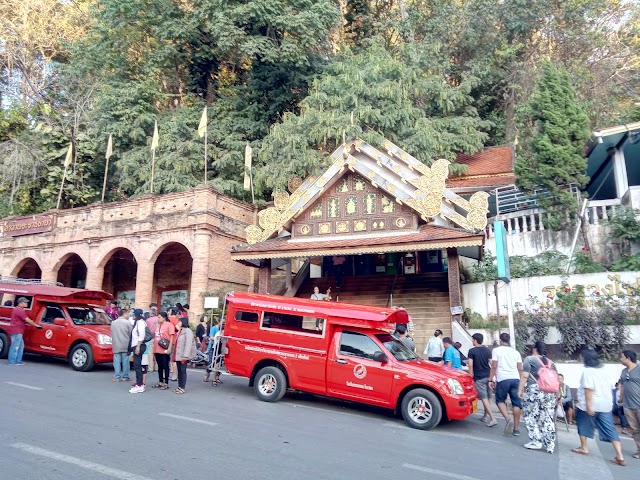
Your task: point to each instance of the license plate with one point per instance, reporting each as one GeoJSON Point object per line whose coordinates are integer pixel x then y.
{"type": "Point", "coordinates": [475, 406]}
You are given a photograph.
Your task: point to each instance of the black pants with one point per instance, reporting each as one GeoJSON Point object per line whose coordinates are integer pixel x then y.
{"type": "Point", "coordinates": [435, 359]}
{"type": "Point", "coordinates": [162, 359]}
{"type": "Point", "coordinates": [182, 374]}
{"type": "Point", "coordinates": [137, 364]}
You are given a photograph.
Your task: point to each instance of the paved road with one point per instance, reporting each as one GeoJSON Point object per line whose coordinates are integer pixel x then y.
{"type": "Point", "coordinates": [58, 424]}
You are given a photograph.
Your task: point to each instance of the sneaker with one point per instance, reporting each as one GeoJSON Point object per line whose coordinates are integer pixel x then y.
{"type": "Point", "coordinates": [20, 363]}
{"type": "Point", "coordinates": [136, 389]}
{"type": "Point", "coordinates": [508, 429]}
{"type": "Point", "coordinates": [484, 419]}
{"type": "Point", "coordinates": [516, 433]}
{"type": "Point", "coordinates": [492, 423]}
{"type": "Point", "coordinates": [533, 445]}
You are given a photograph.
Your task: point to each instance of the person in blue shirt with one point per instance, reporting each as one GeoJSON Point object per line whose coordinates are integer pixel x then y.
{"type": "Point", "coordinates": [451, 354]}
{"type": "Point", "coordinates": [212, 334]}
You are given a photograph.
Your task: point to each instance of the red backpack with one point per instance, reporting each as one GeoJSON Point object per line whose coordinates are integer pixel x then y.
{"type": "Point", "coordinates": [548, 381]}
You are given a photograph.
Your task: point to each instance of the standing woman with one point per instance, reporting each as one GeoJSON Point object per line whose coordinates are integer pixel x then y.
{"type": "Point", "coordinates": [539, 406]}
{"type": "Point", "coordinates": [594, 407]}
{"type": "Point", "coordinates": [184, 351]}
{"type": "Point", "coordinates": [165, 334]}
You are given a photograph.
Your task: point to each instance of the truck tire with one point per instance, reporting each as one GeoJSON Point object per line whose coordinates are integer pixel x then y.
{"type": "Point", "coordinates": [4, 345]}
{"type": "Point", "coordinates": [270, 384]}
{"type": "Point", "coordinates": [421, 409]}
{"type": "Point", "coordinates": [81, 357]}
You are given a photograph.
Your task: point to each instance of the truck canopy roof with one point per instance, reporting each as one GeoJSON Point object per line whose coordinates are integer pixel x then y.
{"type": "Point", "coordinates": [345, 314]}
{"type": "Point", "coordinates": [54, 293]}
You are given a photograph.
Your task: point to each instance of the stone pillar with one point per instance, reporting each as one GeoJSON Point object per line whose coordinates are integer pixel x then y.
{"type": "Point", "coordinates": [200, 271]}
{"type": "Point", "coordinates": [144, 284]}
{"type": "Point", "coordinates": [95, 276]}
{"type": "Point", "coordinates": [289, 275]}
{"type": "Point", "coordinates": [49, 274]}
{"type": "Point", "coordinates": [620, 173]}
{"type": "Point", "coordinates": [455, 295]}
{"type": "Point", "coordinates": [264, 276]}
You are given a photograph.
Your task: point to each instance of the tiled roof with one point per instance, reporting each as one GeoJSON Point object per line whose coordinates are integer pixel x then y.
{"type": "Point", "coordinates": [490, 161]}
{"type": "Point", "coordinates": [426, 238]}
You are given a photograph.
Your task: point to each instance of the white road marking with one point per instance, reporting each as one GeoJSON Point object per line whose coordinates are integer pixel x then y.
{"type": "Point", "coordinates": [22, 385]}
{"type": "Point", "coordinates": [95, 467]}
{"type": "Point", "coordinates": [578, 467]}
{"type": "Point", "coordinates": [434, 471]}
{"type": "Point", "coordinates": [446, 434]}
{"type": "Point", "coordinates": [188, 419]}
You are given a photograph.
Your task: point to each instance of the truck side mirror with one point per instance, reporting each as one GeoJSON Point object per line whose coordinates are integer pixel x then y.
{"type": "Point", "coordinates": [61, 322]}
{"type": "Point", "coordinates": [380, 357]}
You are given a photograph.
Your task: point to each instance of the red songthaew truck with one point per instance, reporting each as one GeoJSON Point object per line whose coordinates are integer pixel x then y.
{"type": "Point", "coordinates": [339, 350]}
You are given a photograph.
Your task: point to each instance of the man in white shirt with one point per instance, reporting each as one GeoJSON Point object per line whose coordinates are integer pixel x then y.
{"type": "Point", "coordinates": [435, 348]}
{"type": "Point", "coordinates": [506, 365]}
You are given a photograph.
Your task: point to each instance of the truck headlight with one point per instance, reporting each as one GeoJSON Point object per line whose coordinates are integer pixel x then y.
{"type": "Point", "coordinates": [104, 339]}
{"type": "Point", "coordinates": [455, 387]}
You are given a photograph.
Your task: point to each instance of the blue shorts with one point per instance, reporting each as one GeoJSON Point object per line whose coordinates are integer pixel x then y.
{"type": "Point", "coordinates": [603, 420]}
{"type": "Point", "coordinates": [508, 388]}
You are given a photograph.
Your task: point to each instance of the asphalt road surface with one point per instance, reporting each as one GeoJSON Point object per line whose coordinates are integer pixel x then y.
{"type": "Point", "coordinates": [58, 424]}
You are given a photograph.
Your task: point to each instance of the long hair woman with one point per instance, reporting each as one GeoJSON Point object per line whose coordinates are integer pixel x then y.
{"type": "Point", "coordinates": [165, 334]}
{"type": "Point", "coordinates": [594, 407]}
{"type": "Point", "coordinates": [539, 406]}
{"type": "Point", "coordinates": [185, 350]}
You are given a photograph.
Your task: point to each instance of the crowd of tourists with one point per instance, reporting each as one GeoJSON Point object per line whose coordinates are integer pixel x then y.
{"type": "Point", "coordinates": [149, 341]}
{"type": "Point", "coordinates": [539, 396]}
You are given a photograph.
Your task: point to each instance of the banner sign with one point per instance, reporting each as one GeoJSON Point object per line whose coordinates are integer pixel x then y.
{"type": "Point", "coordinates": [26, 225]}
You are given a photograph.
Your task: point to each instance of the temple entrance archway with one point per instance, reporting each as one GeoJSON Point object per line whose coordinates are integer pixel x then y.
{"type": "Point", "coordinates": [28, 269]}
{"type": "Point", "coordinates": [73, 272]}
{"type": "Point", "coordinates": [120, 271]}
{"type": "Point", "coordinates": [172, 275]}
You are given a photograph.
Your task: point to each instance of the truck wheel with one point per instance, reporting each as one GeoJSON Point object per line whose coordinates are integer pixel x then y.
{"type": "Point", "coordinates": [421, 409]}
{"type": "Point", "coordinates": [4, 345]}
{"type": "Point", "coordinates": [81, 357]}
{"type": "Point", "coordinates": [270, 384]}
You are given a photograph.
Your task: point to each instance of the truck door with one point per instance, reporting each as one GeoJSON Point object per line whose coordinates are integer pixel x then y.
{"type": "Point", "coordinates": [51, 339]}
{"type": "Point", "coordinates": [352, 373]}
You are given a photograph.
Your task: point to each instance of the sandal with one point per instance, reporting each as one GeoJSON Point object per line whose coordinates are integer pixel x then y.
{"type": "Point", "coordinates": [579, 451]}
{"type": "Point", "coordinates": [179, 391]}
{"type": "Point", "coordinates": [164, 387]}
{"type": "Point", "coordinates": [618, 461]}
{"type": "Point", "coordinates": [206, 378]}
{"type": "Point", "coordinates": [157, 385]}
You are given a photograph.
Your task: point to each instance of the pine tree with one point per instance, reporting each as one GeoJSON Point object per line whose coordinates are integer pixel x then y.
{"type": "Point", "coordinates": [551, 155]}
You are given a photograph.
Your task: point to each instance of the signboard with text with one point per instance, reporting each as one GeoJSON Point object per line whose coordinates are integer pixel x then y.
{"type": "Point", "coordinates": [26, 225]}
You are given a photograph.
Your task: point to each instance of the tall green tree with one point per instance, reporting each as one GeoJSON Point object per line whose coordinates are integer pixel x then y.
{"type": "Point", "coordinates": [551, 154]}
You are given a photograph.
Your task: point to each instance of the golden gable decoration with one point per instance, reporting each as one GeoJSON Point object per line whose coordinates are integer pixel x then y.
{"type": "Point", "coordinates": [392, 170]}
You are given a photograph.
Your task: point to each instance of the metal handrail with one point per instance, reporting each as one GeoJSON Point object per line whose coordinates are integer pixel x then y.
{"type": "Point", "coordinates": [30, 281]}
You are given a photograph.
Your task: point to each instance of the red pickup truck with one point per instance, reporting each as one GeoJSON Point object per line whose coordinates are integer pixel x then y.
{"type": "Point", "coordinates": [339, 350]}
{"type": "Point", "coordinates": [74, 325]}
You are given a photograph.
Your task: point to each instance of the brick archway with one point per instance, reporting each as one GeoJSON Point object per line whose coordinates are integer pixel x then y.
{"type": "Point", "coordinates": [172, 269]}
{"type": "Point", "coordinates": [71, 271]}
{"type": "Point", "coordinates": [27, 268]}
{"type": "Point", "coordinates": [119, 273]}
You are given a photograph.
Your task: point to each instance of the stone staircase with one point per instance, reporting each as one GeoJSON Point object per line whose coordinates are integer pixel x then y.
{"type": "Point", "coordinates": [425, 296]}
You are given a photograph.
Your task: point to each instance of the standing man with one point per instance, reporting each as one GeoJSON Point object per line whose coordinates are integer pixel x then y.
{"type": "Point", "coordinates": [120, 342]}
{"type": "Point", "coordinates": [17, 326]}
{"type": "Point", "coordinates": [201, 330]}
{"type": "Point", "coordinates": [630, 393]}
{"type": "Point", "coordinates": [401, 331]}
{"type": "Point", "coordinates": [479, 361]}
{"type": "Point", "coordinates": [139, 347]}
{"type": "Point", "coordinates": [506, 365]}
{"type": "Point", "coordinates": [435, 349]}
{"type": "Point", "coordinates": [451, 354]}
{"type": "Point", "coordinates": [316, 295]}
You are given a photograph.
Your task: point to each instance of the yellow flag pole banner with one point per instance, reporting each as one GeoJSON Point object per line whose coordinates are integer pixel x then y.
{"type": "Point", "coordinates": [248, 178]}
{"type": "Point", "coordinates": [106, 166]}
{"type": "Point", "coordinates": [67, 162]}
{"type": "Point", "coordinates": [202, 131]}
{"type": "Point", "coordinates": [154, 145]}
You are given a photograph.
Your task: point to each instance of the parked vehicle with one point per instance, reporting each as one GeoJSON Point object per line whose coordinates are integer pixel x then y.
{"type": "Point", "coordinates": [74, 324]}
{"type": "Point", "coordinates": [339, 350]}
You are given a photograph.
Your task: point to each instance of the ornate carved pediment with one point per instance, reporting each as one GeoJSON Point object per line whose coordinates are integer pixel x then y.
{"type": "Point", "coordinates": [355, 202]}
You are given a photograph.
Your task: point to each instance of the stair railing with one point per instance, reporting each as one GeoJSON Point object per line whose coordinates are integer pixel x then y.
{"type": "Point", "coordinates": [298, 280]}
{"type": "Point", "coordinates": [393, 286]}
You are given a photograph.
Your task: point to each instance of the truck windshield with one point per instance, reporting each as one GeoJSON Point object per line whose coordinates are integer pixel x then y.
{"type": "Point", "coordinates": [88, 316]}
{"type": "Point", "coordinates": [399, 350]}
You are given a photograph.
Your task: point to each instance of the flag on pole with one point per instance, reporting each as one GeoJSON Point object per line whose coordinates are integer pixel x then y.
{"type": "Point", "coordinates": [109, 148]}
{"type": "Point", "coordinates": [202, 128]}
{"type": "Point", "coordinates": [69, 158]}
{"type": "Point", "coordinates": [247, 167]}
{"type": "Point", "coordinates": [154, 140]}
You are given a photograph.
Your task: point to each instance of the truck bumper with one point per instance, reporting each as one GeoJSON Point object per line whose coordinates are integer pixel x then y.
{"type": "Point", "coordinates": [460, 407]}
{"type": "Point", "coordinates": [102, 353]}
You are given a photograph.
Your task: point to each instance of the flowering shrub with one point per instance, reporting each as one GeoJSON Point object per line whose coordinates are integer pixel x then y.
{"type": "Point", "coordinates": [584, 263]}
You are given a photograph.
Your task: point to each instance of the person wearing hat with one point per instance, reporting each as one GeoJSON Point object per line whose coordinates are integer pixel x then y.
{"type": "Point", "coordinates": [17, 326]}
{"type": "Point", "coordinates": [435, 348]}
